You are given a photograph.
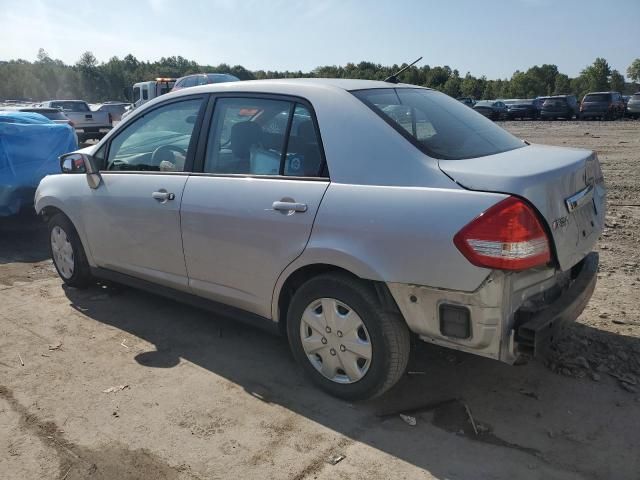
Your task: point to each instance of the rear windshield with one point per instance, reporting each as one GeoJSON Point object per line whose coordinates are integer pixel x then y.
{"type": "Point", "coordinates": [598, 97]}
{"type": "Point", "coordinates": [437, 124]}
{"type": "Point", "coordinates": [71, 106]}
{"type": "Point", "coordinates": [635, 96]}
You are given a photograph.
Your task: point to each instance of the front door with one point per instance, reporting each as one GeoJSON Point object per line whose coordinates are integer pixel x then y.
{"type": "Point", "coordinates": [249, 213]}
{"type": "Point", "coordinates": [133, 218]}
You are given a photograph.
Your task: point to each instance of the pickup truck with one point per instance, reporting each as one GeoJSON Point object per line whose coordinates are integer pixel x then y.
{"type": "Point", "coordinates": [88, 124]}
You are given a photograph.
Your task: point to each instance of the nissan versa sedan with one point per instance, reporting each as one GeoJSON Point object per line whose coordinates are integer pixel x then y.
{"type": "Point", "coordinates": [349, 215]}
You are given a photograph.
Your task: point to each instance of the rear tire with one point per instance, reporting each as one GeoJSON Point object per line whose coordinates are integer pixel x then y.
{"type": "Point", "coordinates": [318, 343]}
{"type": "Point", "coordinates": [67, 252]}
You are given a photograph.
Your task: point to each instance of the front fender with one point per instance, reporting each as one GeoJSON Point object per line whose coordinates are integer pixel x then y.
{"type": "Point", "coordinates": [48, 194]}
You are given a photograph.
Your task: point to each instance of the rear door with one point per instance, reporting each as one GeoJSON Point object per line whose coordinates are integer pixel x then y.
{"type": "Point", "coordinates": [250, 211]}
{"type": "Point", "coordinates": [132, 219]}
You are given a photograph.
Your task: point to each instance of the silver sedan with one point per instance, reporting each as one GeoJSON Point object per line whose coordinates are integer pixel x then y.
{"type": "Point", "coordinates": [347, 214]}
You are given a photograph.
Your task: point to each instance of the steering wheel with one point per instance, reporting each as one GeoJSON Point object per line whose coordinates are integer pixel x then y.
{"type": "Point", "coordinates": [161, 151]}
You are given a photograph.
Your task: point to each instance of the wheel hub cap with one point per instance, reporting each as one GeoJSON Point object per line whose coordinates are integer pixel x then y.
{"type": "Point", "coordinates": [335, 340]}
{"type": "Point", "coordinates": [62, 252]}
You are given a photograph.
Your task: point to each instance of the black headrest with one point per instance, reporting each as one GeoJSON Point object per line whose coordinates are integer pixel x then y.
{"type": "Point", "coordinates": [243, 136]}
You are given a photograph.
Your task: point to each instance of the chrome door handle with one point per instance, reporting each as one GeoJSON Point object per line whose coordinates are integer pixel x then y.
{"type": "Point", "coordinates": [290, 206]}
{"type": "Point", "coordinates": [163, 196]}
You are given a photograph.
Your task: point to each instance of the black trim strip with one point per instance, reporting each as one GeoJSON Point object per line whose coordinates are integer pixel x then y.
{"type": "Point", "coordinates": [258, 177]}
{"type": "Point", "coordinates": [287, 133]}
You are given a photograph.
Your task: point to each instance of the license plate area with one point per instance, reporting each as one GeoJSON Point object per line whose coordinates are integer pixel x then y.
{"type": "Point", "coordinates": [585, 219]}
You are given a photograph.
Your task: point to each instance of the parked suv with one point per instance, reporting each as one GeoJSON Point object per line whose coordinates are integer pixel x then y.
{"type": "Point", "coordinates": [203, 79]}
{"type": "Point", "coordinates": [602, 105]}
{"type": "Point", "coordinates": [560, 106]}
{"type": "Point", "coordinates": [344, 213]}
{"type": "Point", "coordinates": [633, 106]}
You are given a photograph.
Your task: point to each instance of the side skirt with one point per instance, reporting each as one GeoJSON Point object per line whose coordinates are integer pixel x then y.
{"type": "Point", "coordinates": [215, 307]}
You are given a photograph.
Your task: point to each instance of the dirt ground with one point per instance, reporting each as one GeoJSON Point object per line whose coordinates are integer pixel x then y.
{"type": "Point", "coordinates": [200, 397]}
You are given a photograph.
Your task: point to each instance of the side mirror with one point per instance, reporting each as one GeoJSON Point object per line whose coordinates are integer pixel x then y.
{"type": "Point", "coordinates": [81, 163]}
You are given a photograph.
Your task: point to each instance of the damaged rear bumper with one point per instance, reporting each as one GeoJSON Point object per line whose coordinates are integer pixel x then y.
{"type": "Point", "coordinates": [536, 334]}
{"type": "Point", "coordinates": [510, 314]}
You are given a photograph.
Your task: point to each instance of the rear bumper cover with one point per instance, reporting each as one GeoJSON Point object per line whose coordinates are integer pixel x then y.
{"type": "Point", "coordinates": [511, 312]}
{"type": "Point", "coordinates": [535, 335]}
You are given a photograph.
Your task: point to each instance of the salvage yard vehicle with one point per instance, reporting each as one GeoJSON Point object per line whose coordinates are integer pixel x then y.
{"type": "Point", "coordinates": [114, 110]}
{"type": "Point", "coordinates": [198, 79]}
{"type": "Point", "coordinates": [146, 91]}
{"type": "Point", "coordinates": [521, 109]}
{"type": "Point", "coordinates": [89, 125]}
{"type": "Point", "coordinates": [348, 214]}
{"type": "Point", "coordinates": [633, 106]}
{"type": "Point", "coordinates": [560, 106]}
{"type": "Point", "coordinates": [54, 114]}
{"type": "Point", "coordinates": [602, 105]}
{"type": "Point", "coordinates": [493, 109]}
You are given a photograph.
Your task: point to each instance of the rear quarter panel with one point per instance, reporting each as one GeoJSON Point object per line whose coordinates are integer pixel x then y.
{"type": "Point", "coordinates": [396, 234]}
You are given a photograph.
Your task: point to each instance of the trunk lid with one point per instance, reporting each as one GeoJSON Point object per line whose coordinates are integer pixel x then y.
{"type": "Point", "coordinates": [565, 185]}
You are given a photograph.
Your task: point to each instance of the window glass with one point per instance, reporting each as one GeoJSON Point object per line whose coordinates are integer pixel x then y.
{"type": "Point", "coordinates": [190, 81]}
{"type": "Point", "coordinates": [158, 141]}
{"type": "Point", "coordinates": [71, 106]}
{"type": "Point", "coordinates": [303, 158]}
{"type": "Point", "coordinates": [145, 93]}
{"type": "Point", "coordinates": [136, 94]}
{"type": "Point", "coordinates": [247, 136]}
{"type": "Point", "coordinates": [439, 125]}
{"type": "Point", "coordinates": [598, 97]}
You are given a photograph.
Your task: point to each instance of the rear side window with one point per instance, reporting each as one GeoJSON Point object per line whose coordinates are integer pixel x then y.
{"type": "Point", "coordinates": [256, 136]}
{"type": "Point", "coordinates": [437, 124]}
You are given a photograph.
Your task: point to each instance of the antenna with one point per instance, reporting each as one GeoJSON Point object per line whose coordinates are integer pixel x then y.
{"type": "Point", "coordinates": [394, 78]}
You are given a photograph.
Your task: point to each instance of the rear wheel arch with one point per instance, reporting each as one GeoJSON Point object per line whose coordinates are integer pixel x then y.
{"type": "Point", "coordinates": [305, 273]}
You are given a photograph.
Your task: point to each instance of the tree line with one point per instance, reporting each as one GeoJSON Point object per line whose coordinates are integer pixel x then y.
{"type": "Point", "coordinates": [88, 79]}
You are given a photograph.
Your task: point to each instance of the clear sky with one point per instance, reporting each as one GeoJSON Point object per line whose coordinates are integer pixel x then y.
{"type": "Point", "coordinates": [485, 37]}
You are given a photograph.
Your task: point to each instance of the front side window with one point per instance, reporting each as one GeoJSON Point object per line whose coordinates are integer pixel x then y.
{"type": "Point", "coordinates": [136, 94]}
{"type": "Point", "coordinates": [255, 136]}
{"type": "Point", "coordinates": [158, 141]}
{"type": "Point", "coordinates": [438, 124]}
{"type": "Point", "coordinates": [145, 93]}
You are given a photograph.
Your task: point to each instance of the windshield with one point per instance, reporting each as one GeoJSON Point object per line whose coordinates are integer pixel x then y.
{"type": "Point", "coordinates": [437, 124]}
{"type": "Point", "coordinates": [598, 97]}
{"type": "Point", "coordinates": [71, 106]}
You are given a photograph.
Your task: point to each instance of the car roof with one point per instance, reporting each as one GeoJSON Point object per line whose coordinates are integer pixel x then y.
{"type": "Point", "coordinates": [296, 83]}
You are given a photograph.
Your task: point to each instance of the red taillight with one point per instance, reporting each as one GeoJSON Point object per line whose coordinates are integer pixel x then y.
{"type": "Point", "coordinates": [508, 236]}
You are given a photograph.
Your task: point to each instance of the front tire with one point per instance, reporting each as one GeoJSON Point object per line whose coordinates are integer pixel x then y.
{"type": "Point", "coordinates": [344, 339]}
{"type": "Point", "coordinates": [67, 252]}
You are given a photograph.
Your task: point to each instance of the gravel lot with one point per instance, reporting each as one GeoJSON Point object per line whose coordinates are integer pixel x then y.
{"type": "Point", "coordinates": [200, 397]}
